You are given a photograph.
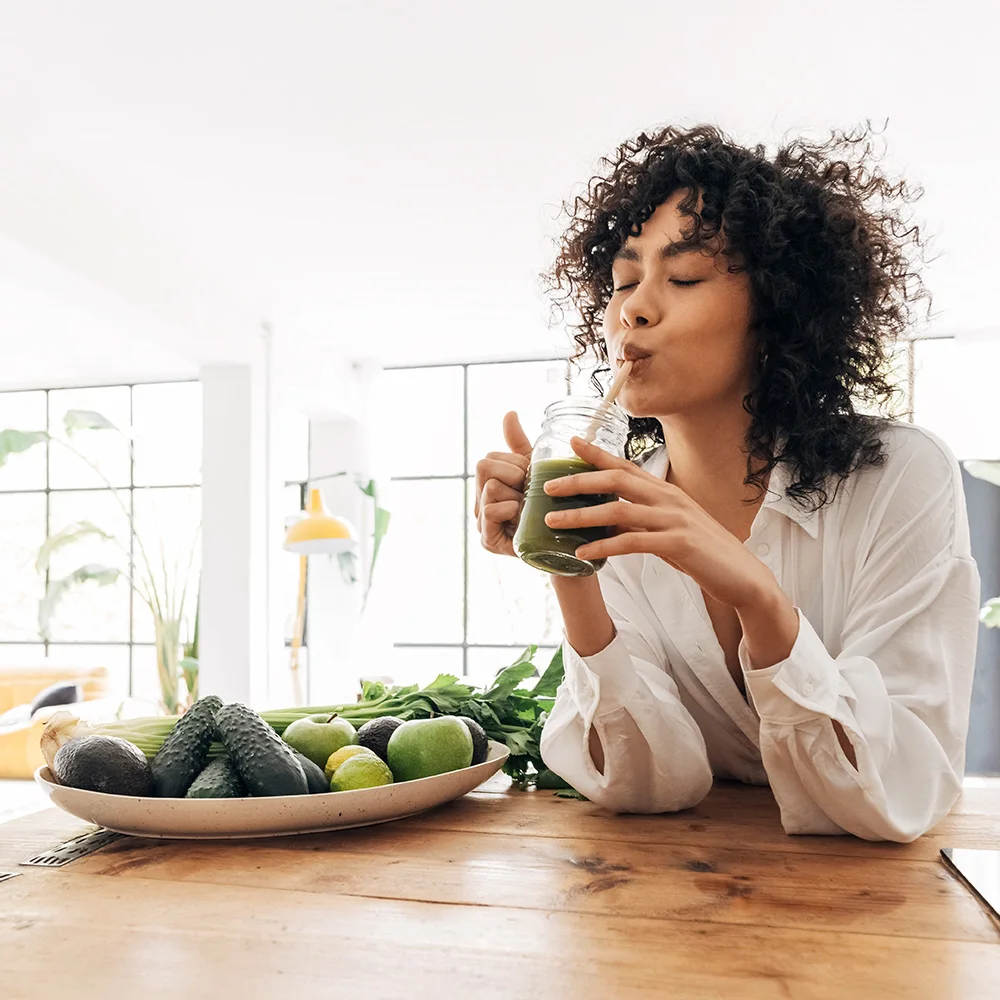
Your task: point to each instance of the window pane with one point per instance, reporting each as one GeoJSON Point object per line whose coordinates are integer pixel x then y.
{"type": "Point", "coordinates": [526, 387]}
{"type": "Point", "coordinates": [115, 658]}
{"type": "Point", "coordinates": [167, 525]}
{"type": "Point", "coordinates": [486, 662]}
{"type": "Point", "coordinates": [145, 677]}
{"type": "Point", "coordinates": [421, 665]}
{"type": "Point", "coordinates": [23, 411]}
{"type": "Point", "coordinates": [107, 449]}
{"type": "Point", "coordinates": [279, 681]}
{"type": "Point", "coordinates": [509, 602]}
{"type": "Point", "coordinates": [897, 376]}
{"type": "Point", "coordinates": [166, 421]}
{"type": "Point", "coordinates": [579, 378]}
{"type": "Point", "coordinates": [420, 416]}
{"type": "Point", "coordinates": [291, 454]}
{"type": "Point", "coordinates": [422, 553]}
{"type": "Point", "coordinates": [955, 396]}
{"type": "Point", "coordinates": [26, 654]}
{"type": "Point", "coordinates": [89, 612]}
{"type": "Point", "coordinates": [22, 533]}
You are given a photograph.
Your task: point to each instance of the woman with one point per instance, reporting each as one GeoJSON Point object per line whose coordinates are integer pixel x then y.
{"type": "Point", "coordinates": [790, 596]}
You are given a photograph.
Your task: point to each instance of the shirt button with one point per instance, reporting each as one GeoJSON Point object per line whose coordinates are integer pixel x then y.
{"type": "Point", "coordinates": [763, 549]}
{"type": "Point", "coordinates": [807, 687]}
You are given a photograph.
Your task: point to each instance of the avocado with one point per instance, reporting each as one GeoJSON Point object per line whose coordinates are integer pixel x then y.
{"type": "Point", "coordinates": [103, 764]}
{"type": "Point", "coordinates": [266, 763]}
{"type": "Point", "coordinates": [376, 733]}
{"type": "Point", "coordinates": [315, 778]}
{"type": "Point", "coordinates": [218, 780]}
{"type": "Point", "coordinates": [480, 741]}
{"type": "Point", "coordinates": [185, 750]}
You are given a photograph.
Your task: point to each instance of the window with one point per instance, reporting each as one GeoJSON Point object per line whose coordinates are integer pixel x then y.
{"type": "Point", "coordinates": [472, 612]}
{"type": "Point", "coordinates": [48, 488]}
{"type": "Point", "coordinates": [954, 393]}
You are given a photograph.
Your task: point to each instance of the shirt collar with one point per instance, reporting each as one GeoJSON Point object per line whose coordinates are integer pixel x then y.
{"type": "Point", "coordinates": [776, 499]}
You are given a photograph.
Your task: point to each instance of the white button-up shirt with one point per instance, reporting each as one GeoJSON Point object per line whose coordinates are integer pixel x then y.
{"type": "Point", "coordinates": [887, 594]}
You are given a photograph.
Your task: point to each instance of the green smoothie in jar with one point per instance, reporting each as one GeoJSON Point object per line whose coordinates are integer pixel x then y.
{"type": "Point", "coordinates": [553, 549]}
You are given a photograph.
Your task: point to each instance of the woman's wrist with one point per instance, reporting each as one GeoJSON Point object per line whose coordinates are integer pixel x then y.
{"type": "Point", "coordinates": [588, 625]}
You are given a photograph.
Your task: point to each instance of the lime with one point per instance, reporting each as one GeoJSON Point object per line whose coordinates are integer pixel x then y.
{"type": "Point", "coordinates": [339, 756]}
{"type": "Point", "coordinates": [361, 771]}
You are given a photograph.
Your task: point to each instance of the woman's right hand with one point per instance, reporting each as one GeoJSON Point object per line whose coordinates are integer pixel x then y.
{"type": "Point", "coordinates": [500, 489]}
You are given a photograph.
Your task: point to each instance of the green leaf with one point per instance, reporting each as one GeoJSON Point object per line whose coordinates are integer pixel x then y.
{"type": "Point", "coordinates": [73, 533]}
{"type": "Point", "coordinates": [382, 518]}
{"type": "Point", "coordinates": [510, 677]}
{"type": "Point", "coordinates": [86, 420]}
{"type": "Point", "coordinates": [348, 563]}
{"type": "Point", "coordinates": [372, 690]}
{"type": "Point", "coordinates": [189, 668]}
{"type": "Point", "coordinates": [570, 793]}
{"type": "Point", "coordinates": [990, 471]}
{"type": "Point", "coordinates": [549, 682]}
{"type": "Point", "coordinates": [990, 613]}
{"type": "Point", "coordinates": [441, 681]}
{"type": "Point", "coordinates": [103, 575]}
{"type": "Point", "coordinates": [12, 442]}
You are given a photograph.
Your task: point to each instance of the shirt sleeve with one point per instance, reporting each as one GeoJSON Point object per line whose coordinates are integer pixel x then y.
{"type": "Point", "coordinates": [654, 753]}
{"type": "Point", "coordinates": [898, 679]}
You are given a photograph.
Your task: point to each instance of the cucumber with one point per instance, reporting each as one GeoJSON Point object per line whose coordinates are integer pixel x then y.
{"type": "Point", "coordinates": [315, 778]}
{"type": "Point", "coordinates": [262, 759]}
{"type": "Point", "coordinates": [185, 750]}
{"type": "Point", "coordinates": [218, 780]}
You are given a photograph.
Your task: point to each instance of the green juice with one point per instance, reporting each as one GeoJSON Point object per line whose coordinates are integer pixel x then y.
{"type": "Point", "coordinates": [548, 548]}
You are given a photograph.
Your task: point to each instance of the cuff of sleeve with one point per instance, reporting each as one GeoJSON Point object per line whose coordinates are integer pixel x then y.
{"type": "Point", "coordinates": [604, 682]}
{"type": "Point", "coordinates": [799, 688]}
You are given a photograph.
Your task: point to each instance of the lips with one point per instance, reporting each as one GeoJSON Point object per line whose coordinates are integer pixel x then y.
{"type": "Point", "coordinates": [637, 357]}
{"type": "Point", "coordinates": [632, 352]}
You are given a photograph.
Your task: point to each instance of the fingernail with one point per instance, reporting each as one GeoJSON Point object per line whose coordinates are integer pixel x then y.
{"type": "Point", "coordinates": [551, 518]}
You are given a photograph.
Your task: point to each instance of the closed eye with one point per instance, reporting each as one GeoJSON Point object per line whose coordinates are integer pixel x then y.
{"type": "Point", "coordinates": [673, 281]}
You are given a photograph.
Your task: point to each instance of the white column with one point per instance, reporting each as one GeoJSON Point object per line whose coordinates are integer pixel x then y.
{"type": "Point", "coordinates": [237, 625]}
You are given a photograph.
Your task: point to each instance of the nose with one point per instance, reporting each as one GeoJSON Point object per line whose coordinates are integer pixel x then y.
{"type": "Point", "coordinates": [639, 309]}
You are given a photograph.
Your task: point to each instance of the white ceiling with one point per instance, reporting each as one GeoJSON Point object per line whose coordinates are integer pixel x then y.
{"type": "Point", "coordinates": [379, 178]}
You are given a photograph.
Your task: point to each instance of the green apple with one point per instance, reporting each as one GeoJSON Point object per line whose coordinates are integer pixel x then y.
{"type": "Point", "coordinates": [424, 747]}
{"type": "Point", "coordinates": [318, 736]}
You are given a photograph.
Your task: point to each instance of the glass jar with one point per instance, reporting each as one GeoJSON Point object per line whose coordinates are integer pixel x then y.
{"type": "Point", "coordinates": [537, 544]}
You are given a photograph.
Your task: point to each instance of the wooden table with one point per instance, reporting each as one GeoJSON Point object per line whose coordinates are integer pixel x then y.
{"type": "Point", "coordinates": [506, 894]}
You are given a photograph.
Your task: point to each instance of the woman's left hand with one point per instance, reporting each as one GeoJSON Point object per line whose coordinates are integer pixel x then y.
{"type": "Point", "coordinates": [654, 516]}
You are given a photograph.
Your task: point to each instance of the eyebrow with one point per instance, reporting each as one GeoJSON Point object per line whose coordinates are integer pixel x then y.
{"type": "Point", "coordinates": [667, 252]}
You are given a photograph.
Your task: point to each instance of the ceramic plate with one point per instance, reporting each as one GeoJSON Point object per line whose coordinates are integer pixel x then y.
{"type": "Point", "coordinates": [273, 816]}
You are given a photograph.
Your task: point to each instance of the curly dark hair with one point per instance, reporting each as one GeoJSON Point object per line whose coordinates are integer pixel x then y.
{"type": "Point", "coordinates": [831, 258]}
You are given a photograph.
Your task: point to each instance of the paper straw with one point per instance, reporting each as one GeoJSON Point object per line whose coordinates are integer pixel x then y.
{"type": "Point", "coordinates": [609, 397]}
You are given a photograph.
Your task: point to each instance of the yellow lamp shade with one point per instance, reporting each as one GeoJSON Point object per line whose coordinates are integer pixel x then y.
{"type": "Point", "coordinates": [319, 531]}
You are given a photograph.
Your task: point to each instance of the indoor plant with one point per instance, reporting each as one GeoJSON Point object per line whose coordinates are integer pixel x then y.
{"type": "Point", "coordinates": [165, 590]}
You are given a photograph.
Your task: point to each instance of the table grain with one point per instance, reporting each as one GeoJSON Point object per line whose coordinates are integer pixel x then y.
{"type": "Point", "coordinates": [506, 894]}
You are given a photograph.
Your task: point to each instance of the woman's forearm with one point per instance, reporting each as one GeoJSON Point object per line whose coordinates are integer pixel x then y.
{"type": "Point", "coordinates": [588, 625]}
